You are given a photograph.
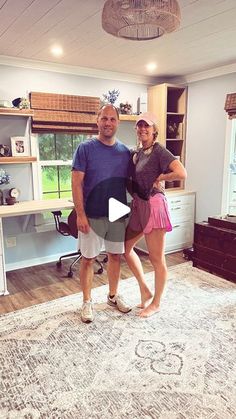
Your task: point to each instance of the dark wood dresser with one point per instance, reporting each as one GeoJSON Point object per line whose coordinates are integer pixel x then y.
{"type": "Point", "coordinates": [215, 246]}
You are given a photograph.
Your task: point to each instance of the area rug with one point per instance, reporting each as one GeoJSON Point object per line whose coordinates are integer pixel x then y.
{"type": "Point", "coordinates": [179, 363]}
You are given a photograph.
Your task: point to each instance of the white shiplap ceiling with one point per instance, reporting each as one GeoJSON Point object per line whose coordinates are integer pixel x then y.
{"type": "Point", "coordinates": [205, 40]}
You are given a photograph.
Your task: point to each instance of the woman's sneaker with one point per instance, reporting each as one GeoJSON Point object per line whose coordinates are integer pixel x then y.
{"type": "Point", "coordinates": [118, 302]}
{"type": "Point", "coordinates": [87, 314]}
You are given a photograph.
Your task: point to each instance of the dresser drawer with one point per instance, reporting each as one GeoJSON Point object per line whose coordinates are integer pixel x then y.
{"type": "Point", "coordinates": [215, 257]}
{"type": "Point", "coordinates": [181, 236]}
{"type": "Point", "coordinates": [180, 199]}
{"type": "Point", "coordinates": [181, 208]}
{"type": "Point", "coordinates": [215, 238]}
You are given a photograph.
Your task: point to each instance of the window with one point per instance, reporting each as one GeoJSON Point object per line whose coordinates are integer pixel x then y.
{"type": "Point", "coordinates": [55, 152]}
{"type": "Point", "coordinates": [229, 180]}
{"type": "Point", "coordinates": [55, 158]}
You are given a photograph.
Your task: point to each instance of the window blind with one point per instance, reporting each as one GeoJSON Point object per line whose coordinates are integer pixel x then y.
{"type": "Point", "coordinates": [64, 113]}
{"type": "Point", "coordinates": [230, 105]}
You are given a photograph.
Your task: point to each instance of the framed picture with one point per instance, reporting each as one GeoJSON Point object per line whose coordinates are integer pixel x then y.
{"type": "Point", "coordinates": [19, 146]}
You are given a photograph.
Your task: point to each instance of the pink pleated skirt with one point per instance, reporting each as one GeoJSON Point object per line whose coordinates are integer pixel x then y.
{"type": "Point", "coordinates": [147, 215]}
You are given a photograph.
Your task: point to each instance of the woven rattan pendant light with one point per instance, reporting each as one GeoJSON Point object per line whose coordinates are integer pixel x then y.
{"type": "Point", "coordinates": [140, 20]}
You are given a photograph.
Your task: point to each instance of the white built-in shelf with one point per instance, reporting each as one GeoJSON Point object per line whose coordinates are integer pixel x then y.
{"type": "Point", "coordinates": [16, 112]}
{"type": "Point", "coordinates": [174, 139]}
{"type": "Point", "coordinates": [124, 117]}
{"type": "Point", "coordinates": [17, 160]}
{"type": "Point", "coordinates": [175, 113]}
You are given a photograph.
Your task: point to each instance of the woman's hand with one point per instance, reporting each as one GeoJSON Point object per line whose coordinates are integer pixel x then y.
{"type": "Point", "coordinates": [159, 184]}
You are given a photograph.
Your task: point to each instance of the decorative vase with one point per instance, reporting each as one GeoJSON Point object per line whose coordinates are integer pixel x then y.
{"type": "Point", "coordinates": [172, 129]}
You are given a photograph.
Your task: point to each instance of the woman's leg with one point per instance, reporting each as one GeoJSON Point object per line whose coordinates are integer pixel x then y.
{"type": "Point", "coordinates": [135, 265]}
{"type": "Point", "coordinates": [156, 244]}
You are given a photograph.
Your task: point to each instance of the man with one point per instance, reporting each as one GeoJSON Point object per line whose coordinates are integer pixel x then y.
{"type": "Point", "coordinates": [99, 171]}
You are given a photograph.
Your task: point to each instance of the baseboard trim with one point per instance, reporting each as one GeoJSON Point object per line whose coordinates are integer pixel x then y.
{"type": "Point", "coordinates": [31, 262]}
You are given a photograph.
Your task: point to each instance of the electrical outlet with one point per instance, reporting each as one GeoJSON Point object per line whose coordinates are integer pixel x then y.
{"type": "Point", "coordinates": [10, 241]}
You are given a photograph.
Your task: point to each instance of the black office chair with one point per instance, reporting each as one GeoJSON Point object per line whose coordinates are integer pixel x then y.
{"type": "Point", "coordinates": [70, 229]}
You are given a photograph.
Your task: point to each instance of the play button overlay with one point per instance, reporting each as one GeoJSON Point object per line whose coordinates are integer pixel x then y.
{"type": "Point", "coordinates": [107, 210]}
{"type": "Point", "coordinates": [116, 210]}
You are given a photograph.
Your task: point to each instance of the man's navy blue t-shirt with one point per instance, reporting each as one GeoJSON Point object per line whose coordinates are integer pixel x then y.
{"type": "Point", "coordinates": [106, 170]}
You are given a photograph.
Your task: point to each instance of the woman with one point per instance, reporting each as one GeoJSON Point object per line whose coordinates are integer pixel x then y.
{"type": "Point", "coordinates": [152, 164]}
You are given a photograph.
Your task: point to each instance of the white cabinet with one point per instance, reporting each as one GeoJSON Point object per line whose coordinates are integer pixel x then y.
{"type": "Point", "coordinates": [182, 212]}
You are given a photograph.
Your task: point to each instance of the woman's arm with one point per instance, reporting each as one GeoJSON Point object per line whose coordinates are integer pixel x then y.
{"type": "Point", "coordinates": [177, 172]}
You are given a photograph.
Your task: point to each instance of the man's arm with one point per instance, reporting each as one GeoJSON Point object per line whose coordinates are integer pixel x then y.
{"type": "Point", "coordinates": [77, 194]}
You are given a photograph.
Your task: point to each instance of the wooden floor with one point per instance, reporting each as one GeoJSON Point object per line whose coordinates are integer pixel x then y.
{"type": "Point", "coordinates": [42, 283]}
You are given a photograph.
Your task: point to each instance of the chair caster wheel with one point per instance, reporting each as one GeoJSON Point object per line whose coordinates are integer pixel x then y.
{"type": "Point", "coordinates": [70, 274]}
{"type": "Point", "coordinates": [100, 271]}
{"type": "Point", "coordinates": [58, 264]}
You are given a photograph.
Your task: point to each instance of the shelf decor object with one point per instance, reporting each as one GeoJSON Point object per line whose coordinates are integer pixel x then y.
{"type": "Point", "coordinates": [19, 146]}
{"type": "Point", "coordinates": [140, 20]}
{"type": "Point", "coordinates": [125, 108]}
{"type": "Point", "coordinates": [111, 96]}
{"type": "Point", "coordinates": [4, 177]}
{"type": "Point", "coordinates": [4, 180]}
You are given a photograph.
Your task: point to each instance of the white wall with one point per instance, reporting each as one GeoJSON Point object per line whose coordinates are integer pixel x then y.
{"type": "Point", "coordinates": [206, 129]}
{"type": "Point", "coordinates": [17, 82]}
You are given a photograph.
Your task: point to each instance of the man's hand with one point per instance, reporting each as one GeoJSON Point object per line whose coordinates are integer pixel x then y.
{"type": "Point", "coordinates": [83, 224]}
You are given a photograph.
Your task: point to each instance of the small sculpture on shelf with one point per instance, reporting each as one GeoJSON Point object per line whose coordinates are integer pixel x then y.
{"type": "Point", "coordinates": [13, 194]}
{"type": "Point", "coordinates": [172, 129]}
{"type": "Point", "coordinates": [21, 103]}
{"type": "Point", "coordinates": [125, 108]}
{"type": "Point", "coordinates": [110, 97]}
{"type": "Point", "coordinates": [5, 150]}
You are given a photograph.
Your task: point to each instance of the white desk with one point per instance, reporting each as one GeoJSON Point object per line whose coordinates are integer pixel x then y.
{"type": "Point", "coordinates": [25, 208]}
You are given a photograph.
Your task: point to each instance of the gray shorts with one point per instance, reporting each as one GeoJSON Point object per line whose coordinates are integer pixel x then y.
{"type": "Point", "coordinates": [103, 236]}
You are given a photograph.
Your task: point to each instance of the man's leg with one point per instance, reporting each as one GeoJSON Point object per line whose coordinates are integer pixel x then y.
{"type": "Point", "coordinates": [86, 277]}
{"type": "Point", "coordinates": [90, 247]}
{"type": "Point", "coordinates": [113, 272]}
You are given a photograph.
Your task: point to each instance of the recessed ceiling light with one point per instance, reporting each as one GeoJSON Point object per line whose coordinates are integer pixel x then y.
{"type": "Point", "coordinates": [57, 51]}
{"type": "Point", "coordinates": [151, 66]}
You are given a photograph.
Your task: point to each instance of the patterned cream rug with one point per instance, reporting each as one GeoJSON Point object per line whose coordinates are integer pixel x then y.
{"type": "Point", "coordinates": [177, 364]}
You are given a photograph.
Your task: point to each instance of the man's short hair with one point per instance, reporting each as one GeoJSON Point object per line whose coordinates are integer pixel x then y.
{"type": "Point", "coordinates": [108, 104]}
